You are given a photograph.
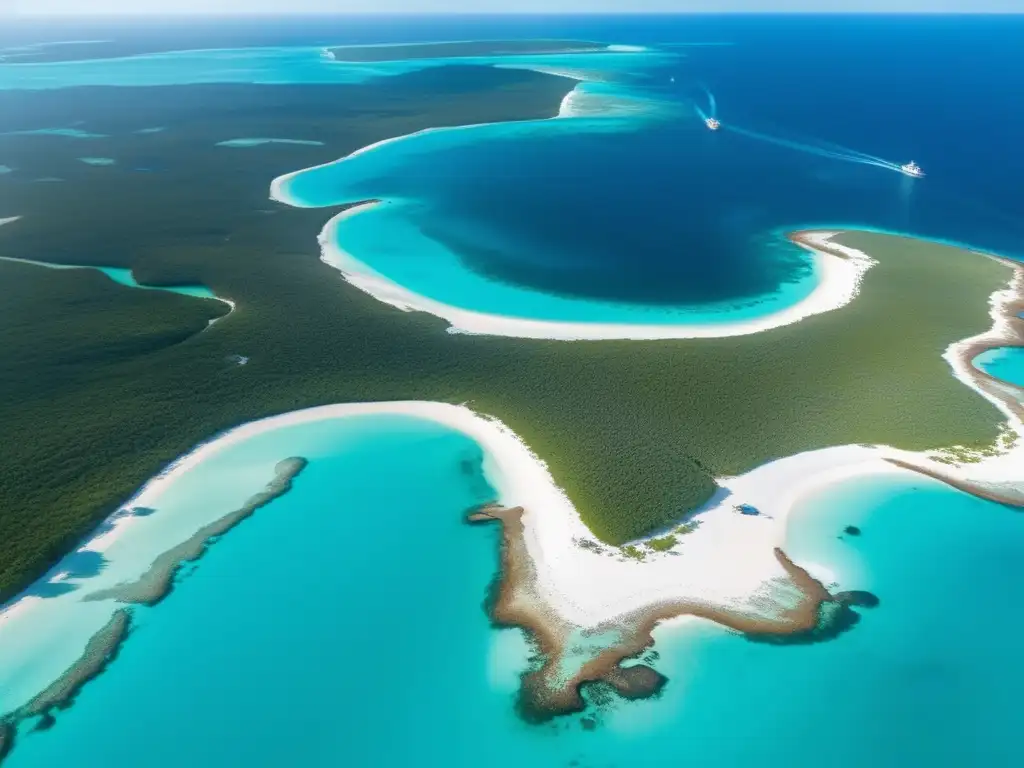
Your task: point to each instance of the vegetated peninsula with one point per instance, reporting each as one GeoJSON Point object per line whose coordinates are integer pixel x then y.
{"type": "Point", "coordinates": [461, 49]}
{"type": "Point", "coordinates": [635, 432]}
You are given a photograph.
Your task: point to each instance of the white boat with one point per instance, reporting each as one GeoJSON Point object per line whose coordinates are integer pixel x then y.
{"type": "Point", "coordinates": [713, 124]}
{"type": "Point", "coordinates": [912, 169]}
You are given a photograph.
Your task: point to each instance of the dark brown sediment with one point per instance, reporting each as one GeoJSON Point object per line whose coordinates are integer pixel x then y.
{"type": "Point", "coordinates": [99, 652]}
{"type": "Point", "coordinates": [156, 583]}
{"type": "Point", "coordinates": [1008, 492]}
{"type": "Point", "coordinates": [816, 615]}
{"type": "Point", "coordinates": [149, 589]}
{"type": "Point", "coordinates": [6, 739]}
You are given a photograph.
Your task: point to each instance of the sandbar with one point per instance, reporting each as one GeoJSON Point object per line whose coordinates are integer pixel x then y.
{"type": "Point", "coordinates": [155, 584]}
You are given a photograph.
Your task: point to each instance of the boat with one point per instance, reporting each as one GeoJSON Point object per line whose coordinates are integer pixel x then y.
{"type": "Point", "coordinates": [713, 124]}
{"type": "Point", "coordinates": [912, 169]}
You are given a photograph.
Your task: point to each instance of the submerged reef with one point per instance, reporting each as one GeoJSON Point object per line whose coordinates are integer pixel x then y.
{"type": "Point", "coordinates": [548, 691]}
{"type": "Point", "coordinates": [99, 652]}
{"type": "Point", "coordinates": [155, 584]}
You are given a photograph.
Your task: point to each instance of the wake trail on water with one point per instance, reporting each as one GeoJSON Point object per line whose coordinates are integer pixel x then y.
{"type": "Point", "coordinates": [712, 104]}
{"type": "Point", "coordinates": [819, 148]}
{"type": "Point", "coordinates": [712, 110]}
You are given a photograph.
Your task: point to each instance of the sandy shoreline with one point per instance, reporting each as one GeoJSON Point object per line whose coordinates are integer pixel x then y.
{"type": "Point", "coordinates": [154, 585]}
{"type": "Point", "coordinates": [840, 270]}
{"type": "Point", "coordinates": [840, 279]}
{"type": "Point", "coordinates": [733, 569]}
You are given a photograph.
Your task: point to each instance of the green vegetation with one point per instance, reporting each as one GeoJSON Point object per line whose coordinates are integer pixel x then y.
{"type": "Point", "coordinates": [685, 528]}
{"type": "Point", "coordinates": [103, 385]}
{"type": "Point", "coordinates": [633, 553]}
{"type": "Point", "coordinates": [663, 543]}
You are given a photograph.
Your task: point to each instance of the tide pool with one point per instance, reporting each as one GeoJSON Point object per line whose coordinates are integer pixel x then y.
{"type": "Point", "coordinates": [350, 611]}
{"type": "Point", "coordinates": [1006, 363]}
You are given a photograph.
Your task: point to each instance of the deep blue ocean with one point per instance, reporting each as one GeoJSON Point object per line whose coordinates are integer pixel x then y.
{"type": "Point", "coordinates": [280, 648]}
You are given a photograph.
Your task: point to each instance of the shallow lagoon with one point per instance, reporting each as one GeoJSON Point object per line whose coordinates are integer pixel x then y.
{"type": "Point", "coordinates": [350, 610]}
{"type": "Point", "coordinates": [1006, 363]}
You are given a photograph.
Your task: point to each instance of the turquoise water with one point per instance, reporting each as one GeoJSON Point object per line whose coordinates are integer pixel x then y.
{"type": "Point", "coordinates": [100, 161]}
{"type": "Point", "coordinates": [342, 624]}
{"type": "Point", "coordinates": [1006, 363]}
{"type": "Point", "coordinates": [123, 276]}
{"type": "Point", "coordinates": [400, 668]}
{"type": "Point", "coordinates": [431, 242]}
{"type": "Point", "coordinates": [396, 239]}
{"type": "Point", "coordinates": [5, 169]}
{"type": "Point", "coordinates": [261, 142]}
{"type": "Point", "coordinates": [275, 65]}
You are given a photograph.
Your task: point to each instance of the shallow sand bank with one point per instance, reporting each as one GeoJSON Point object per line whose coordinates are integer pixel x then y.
{"type": "Point", "coordinates": [100, 651]}
{"type": "Point", "coordinates": [154, 585]}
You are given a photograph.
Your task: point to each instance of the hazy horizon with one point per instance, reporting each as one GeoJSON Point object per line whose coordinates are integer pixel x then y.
{"type": "Point", "coordinates": [76, 8]}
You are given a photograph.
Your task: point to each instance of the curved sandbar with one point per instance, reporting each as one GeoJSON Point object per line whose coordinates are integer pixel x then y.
{"type": "Point", "coordinates": [136, 560]}
{"type": "Point", "coordinates": [154, 585]}
{"type": "Point", "coordinates": [838, 273]}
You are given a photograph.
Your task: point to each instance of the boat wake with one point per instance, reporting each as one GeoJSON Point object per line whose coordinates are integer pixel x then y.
{"type": "Point", "coordinates": [712, 106]}
{"type": "Point", "coordinates": [823, 149]}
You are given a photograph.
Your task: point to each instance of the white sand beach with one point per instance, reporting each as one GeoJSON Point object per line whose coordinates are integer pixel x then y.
{"type": "Point", "coordinates": [839, 282]}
